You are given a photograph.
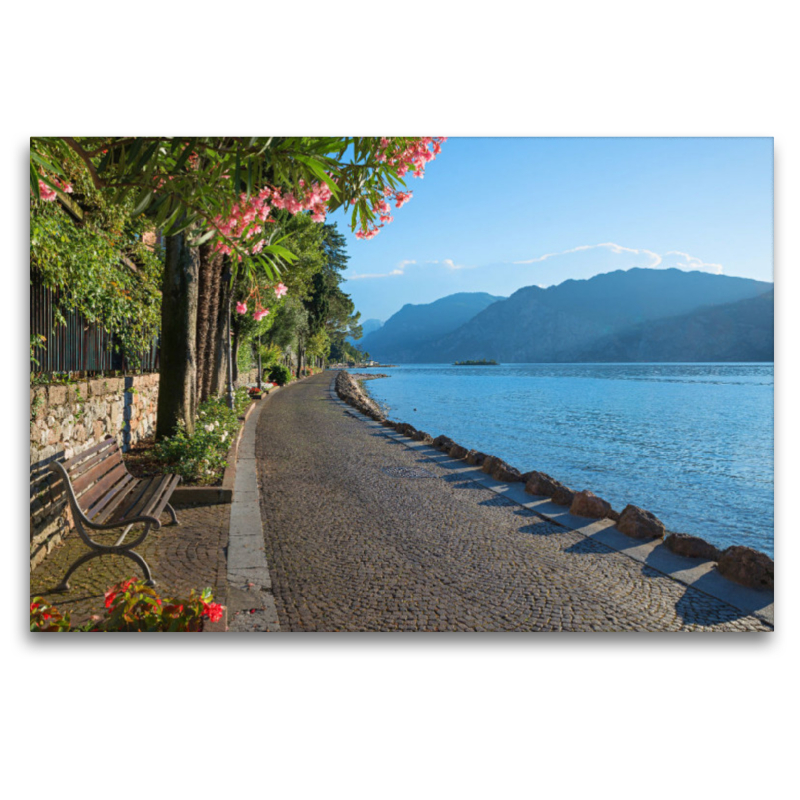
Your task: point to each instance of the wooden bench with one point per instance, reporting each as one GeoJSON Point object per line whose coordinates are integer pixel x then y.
{"type": "Point", "coordinates": [103, 496]}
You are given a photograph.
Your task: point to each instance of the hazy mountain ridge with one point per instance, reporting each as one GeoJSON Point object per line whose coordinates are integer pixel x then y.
{"type": "Point", "coordinates": [633, 315]}
{"type": "Point", "coordinates": [412, 326]}
{"type": "Point", "coordinates": [368, 326]}
{"type": "Point", "coordinates": [740, 331]}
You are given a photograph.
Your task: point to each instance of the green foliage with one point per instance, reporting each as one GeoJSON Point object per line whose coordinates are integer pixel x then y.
{"type": "Point", "coordinates": [244, 359]}
{"type": "Point", "coordinates": [186, 182]}
{"type": "Point", "coordinates": [133, 606]}
{"type": "Point", "coordinates": [83, 262]}
{"type": "Point", "coordinates": [280, 374]}
{"type": "Point", "coordinates": [199, 457]}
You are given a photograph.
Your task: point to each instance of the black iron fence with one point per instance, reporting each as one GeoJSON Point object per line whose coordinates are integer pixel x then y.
{"type": "Point", "coordinates": [78, 346]}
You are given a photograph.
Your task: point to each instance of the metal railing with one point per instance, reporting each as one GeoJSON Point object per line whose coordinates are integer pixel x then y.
{"type": "Point", "coordinates": [78, 346]}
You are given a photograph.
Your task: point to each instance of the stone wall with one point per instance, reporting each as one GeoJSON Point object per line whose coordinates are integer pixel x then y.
{"type": "Point", "coordinates": [66, 420]}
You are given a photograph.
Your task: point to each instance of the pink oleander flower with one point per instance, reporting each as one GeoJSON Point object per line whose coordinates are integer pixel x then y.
{"type": "Point", "coordinates": [46, 193]}
{"type": "Point", "coordinates": [260, 314]}
{"type": "Point", "coordinates": [241, 308]}
{"type": "Point", "coordinates": [280, 290]}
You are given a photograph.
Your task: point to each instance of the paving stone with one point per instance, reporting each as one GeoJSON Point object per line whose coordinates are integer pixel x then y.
{"type": "Point", "coordinates": [364, 544]}
{"type": "Point", "coordinates": [181, 558]}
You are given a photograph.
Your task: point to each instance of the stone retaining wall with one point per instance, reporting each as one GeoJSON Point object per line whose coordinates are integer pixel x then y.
{"type": "Point", "coordinates": [66, 420]}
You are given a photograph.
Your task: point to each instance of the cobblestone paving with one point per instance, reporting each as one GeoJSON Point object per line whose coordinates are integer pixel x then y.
{"type": "Point", "coordinates": [189, 556]}
{"type": "Point", "coordinates": [364, 534]}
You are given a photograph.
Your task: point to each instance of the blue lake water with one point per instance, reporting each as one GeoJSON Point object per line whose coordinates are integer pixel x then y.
{"type": "Point", "coordinates": [693, 443]}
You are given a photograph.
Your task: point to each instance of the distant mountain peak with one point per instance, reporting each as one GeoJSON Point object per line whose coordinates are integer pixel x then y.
{"type": "Point", "coordinates": [567, 321]}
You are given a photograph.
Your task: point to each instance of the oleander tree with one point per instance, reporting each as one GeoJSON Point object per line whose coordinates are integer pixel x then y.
{"type": "Point", "coordinates": [222, 204]}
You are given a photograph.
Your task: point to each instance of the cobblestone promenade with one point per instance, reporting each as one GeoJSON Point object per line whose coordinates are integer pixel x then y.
{"type": "Point", "coordinates": [364, 534]}
{"type": "Point", "coordinates": [189, 556]}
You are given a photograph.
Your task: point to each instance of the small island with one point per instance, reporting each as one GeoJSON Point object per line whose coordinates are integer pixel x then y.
{"type": "Point", "coordinates": [484, 362]}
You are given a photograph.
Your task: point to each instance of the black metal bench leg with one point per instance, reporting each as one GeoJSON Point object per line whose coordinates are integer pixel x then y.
{"type": "Point", "coordinates": [64, 585]}
{"type": "Point", "coordinates": [172, 514]}
{"type": "Point", "coordinates": [148, 576]}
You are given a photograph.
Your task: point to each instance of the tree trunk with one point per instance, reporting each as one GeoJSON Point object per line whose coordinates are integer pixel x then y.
{"type": "Point", "coordinates": [177, 390]}
{"type": "Point", "coordinates": [235, 343]}
{"type": "Point", "coordinates": [219, 369]}
{"type": "Point", "coordinates": [207, 311]}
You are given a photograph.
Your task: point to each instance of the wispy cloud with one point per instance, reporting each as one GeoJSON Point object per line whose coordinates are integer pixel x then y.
{"type": "Point", "coordinates": [450, 264]}
{"type": "Point", "coordinates": [400, 269]}
{"type": "Point", "coordinates": [692, 262]}
{"type": "Point", "coordinates": [614, 248]}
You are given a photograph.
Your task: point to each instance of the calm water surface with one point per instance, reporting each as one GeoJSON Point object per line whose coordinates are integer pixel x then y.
{"type": "Point", "coordinates": [693, 443]}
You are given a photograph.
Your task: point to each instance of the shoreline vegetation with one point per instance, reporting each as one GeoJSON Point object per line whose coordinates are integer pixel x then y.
{"type": "Point", "coordinates": [482, 362]}
{"type": "Point", "coordinates": [741, 564]}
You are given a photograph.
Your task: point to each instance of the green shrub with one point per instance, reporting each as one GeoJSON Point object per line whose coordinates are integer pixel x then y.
{"type": "Point", "coordinates": [280, 374]}
{"type": "Point", "coordinates": [200, 457]}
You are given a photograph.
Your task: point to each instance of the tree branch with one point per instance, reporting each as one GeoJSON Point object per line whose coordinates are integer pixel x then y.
{"type": "Point", "coordinates": [96, 179]}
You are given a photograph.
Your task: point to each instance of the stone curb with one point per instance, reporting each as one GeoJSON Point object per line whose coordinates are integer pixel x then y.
{"type": "Point", "coordinates": [250, 603]}
{"type": "Point", "coordinates": [693, 572]}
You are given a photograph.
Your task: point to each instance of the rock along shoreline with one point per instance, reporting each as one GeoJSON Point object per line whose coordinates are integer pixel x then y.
{"type": "Point", "coordinates": [743, 565]}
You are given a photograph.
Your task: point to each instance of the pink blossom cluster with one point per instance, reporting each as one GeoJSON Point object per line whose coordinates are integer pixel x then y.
{"type": "Point", "coordinates": [48, 195]}
{"type": "Point", "coordinates": [261, 312]}
{"type": "Point", "coordinates": [246, 218]}
{"type": "Point", "coordinates": [414, 156]}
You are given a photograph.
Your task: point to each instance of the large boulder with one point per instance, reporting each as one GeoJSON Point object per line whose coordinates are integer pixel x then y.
{"type": "Point", "coordinates": [748, 567]}
{"type": "Point", "coordinates": [443, 443]}
{"type": "Point", "coordinates": [457, 451]}
{"type": "Point", "coordinates": [541, 483]}
{"type": "Point", "coordinates": [563, 495]}
{"type": "Point", "coordinates": [421, 436]}
{"type": "Point", "coordinates": [506, 473]}
{"type": "Point", "coordinates": [489, 464]}
{"type": "Point", "coordinates": [640, 524]}
{"type": "Point", "coordinates": [476, 458]}
{"type": "Point", "coordinates": [588, 504]}
{"type": "Point", "coordinates": [682, 544]}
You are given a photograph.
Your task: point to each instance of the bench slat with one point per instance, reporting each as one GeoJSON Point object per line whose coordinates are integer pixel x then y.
{"type": "Point", "coordinates": [101, 488]}
{"type": "Point", "coordinates": [139, 499]}
{"type": "Point", "coordinates": [85, 466]}
{"type": "Point", "coordinates": [118, 491]}
{"type": "Point", "coordinates": [105, 466]}
{"type": "Point", "coordinates": [89, 451]}
{"type": "Point", "coordinates": [169, 488]}
{"type": "Point", "coordinates": [110, 504]}
{"type": "Point", "coordinates": [151, 497]}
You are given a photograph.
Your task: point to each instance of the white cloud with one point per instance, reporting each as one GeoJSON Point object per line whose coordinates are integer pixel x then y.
{"type": "Point", "coordinates": [399, 270]}
{"type": "Point", "coordinates": [692, 262]}
{"type": "Point", "coordinates": [679, 260]}
{"type": "Point", "coordinates": [448, 263]}
{"type": "Point", "coordinates": [614, 248]}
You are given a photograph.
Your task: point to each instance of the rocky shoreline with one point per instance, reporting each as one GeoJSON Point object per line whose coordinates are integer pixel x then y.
{"type": "Point", "coordinates": [743, 565]}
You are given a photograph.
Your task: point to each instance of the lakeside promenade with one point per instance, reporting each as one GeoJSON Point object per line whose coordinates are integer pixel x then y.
{"type": "Point", "coordinates": [363, 533]}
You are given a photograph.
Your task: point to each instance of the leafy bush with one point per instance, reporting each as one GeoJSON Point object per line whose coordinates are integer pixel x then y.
{"type": "Point", "coordinates": [280, 374]}
{"type": "Point", "coordinates": [200, 457]}
{"type": "Point", "coordinates": [133, 606]}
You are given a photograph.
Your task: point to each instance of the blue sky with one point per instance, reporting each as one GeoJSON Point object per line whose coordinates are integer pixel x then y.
{"type": "Point", "coordinates": [495, 214]}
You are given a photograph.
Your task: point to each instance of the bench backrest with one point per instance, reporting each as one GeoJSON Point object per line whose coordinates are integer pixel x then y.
{"type": "Point", "coordinates": [97, 475]}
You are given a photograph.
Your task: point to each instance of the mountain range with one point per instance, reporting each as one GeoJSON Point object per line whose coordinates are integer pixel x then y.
{"type": "Point", "coordinates": [408, 333]}
{"type": "Point", "coordinates": [633, 315]}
